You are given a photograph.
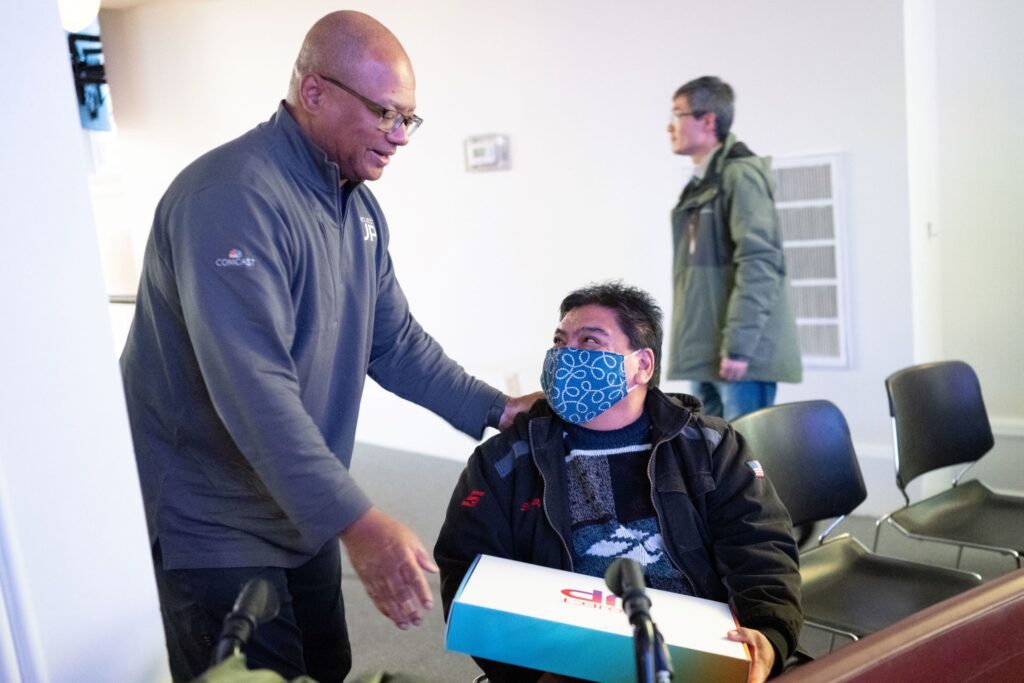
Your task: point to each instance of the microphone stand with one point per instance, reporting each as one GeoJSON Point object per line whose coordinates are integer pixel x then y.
{"type": "Point", "coordinates": [662, 662]}
{"type": "Point", "coordinates": [643, 645]}
{"type": "Point", "coordinates": [653, 665]}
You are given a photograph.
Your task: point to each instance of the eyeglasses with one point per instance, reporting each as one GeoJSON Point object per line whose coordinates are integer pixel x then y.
{"type": "Point", "coordinates": [683, 114]}
{"type": "Point", "coordinates": [390, 120]}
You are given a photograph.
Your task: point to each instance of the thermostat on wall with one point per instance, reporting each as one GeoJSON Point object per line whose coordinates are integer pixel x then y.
{"type": "Point", "coordinates": [487, 152]}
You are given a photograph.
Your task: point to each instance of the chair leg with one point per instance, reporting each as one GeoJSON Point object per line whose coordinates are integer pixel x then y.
{"type": "Point", "coordinates": [813, 643]}
{"type": "Point", "coordinates": [849, 637]}
{"type": "Point", "coordinates": [798, 659]}
{"type": "Point", "coordinates": [878, 526]}
{"type": "Point", "coordinates": [1014, 555]}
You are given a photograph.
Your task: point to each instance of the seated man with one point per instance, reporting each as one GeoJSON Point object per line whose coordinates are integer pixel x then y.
{"type": "Point", "coordinates": [612, 467]}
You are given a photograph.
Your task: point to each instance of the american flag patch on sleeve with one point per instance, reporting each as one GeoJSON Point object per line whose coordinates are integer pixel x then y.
{"type": "Point", "coordinates": [756, 466]}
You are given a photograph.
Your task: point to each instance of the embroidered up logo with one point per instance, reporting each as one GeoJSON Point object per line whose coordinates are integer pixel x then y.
{"type": "Point", "coordinates": [472, 499]}
{"type": "Point", "coordinates": [369, 229]}
{"type": "Point", "coordinates": [235, 259]}
{"type": "Point", "coordinates": [535, 503]}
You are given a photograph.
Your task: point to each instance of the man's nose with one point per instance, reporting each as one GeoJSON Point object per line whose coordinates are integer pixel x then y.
{"type": "Point", "coordinates": [398, 136]}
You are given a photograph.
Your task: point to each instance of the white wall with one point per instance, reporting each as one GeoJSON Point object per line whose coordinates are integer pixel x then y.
{"type": "Point", "coordinates": [981, 105]}
{"type": "Point", "coordinates": [980, 98]}
{"type": "Point", "coordinates": [965, 98]}
{"type": "Point", "coordinates": [921, 57]}
{"type": "Point", "coordinates": [583, 88]}
{"type": "Point", "coordinates": [76, 584]}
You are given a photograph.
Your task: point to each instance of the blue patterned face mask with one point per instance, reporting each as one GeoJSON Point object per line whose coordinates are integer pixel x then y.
{"type": "Point", "coordinates": [581, 384]}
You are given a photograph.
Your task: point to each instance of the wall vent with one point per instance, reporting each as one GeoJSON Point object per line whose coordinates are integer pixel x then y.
{"type": "Point", "coordinates": [807, 200]}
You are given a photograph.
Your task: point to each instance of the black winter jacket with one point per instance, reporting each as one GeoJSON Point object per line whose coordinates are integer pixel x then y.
{"type": "Point", "coordinates": [723, 526]}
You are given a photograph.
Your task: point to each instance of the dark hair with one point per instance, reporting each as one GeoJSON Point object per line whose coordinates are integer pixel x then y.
{"type": "Point", "coordinates": [710, 94]}
{"type": "Point", "coordinates": [638, 314]}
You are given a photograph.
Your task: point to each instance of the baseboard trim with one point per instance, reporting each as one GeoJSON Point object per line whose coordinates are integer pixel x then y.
{"type": "Point", "coordinates": [1012, 427]}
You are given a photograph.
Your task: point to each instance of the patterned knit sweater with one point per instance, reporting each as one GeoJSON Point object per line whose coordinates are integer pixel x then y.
{"type": "Point", "coordinates": [610, 501]}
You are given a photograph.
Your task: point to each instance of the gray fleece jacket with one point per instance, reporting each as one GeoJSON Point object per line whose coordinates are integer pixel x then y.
{"type": "Point", "coordinates": [267, 296]}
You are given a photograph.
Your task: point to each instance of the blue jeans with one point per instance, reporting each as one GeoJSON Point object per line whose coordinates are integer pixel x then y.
{"type": "Point", "coordinates": [308, 636]}
{"type": "Point", "coordinates": [729, 400]}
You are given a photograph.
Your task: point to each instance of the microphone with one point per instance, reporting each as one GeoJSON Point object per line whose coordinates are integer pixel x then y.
{"type": "Point", "coordinates": [256, 604]}
{"type": "Point", "coordinates": [625, 578]}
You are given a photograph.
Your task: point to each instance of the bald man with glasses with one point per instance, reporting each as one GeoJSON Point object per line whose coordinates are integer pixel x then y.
{"type": "Point", "coordinates": [267, 296]}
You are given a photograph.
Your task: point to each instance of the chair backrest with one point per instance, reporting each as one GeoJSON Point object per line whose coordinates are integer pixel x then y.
{"type": "Point", "coordinates": [939, 418]}
{"type": "Point", "coordinates": [806, 452]}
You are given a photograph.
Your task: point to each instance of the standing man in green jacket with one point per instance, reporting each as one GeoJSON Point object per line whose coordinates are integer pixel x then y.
{"type": "Point", "coordinates": [733, 334]}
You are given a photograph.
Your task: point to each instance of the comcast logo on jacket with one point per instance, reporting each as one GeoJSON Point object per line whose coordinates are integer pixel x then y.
{"type": "Point", "coordinates": [235, 258]}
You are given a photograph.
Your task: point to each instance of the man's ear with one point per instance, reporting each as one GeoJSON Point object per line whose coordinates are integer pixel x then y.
{"type": "Point", "coordinates": [645, 366]}
{"type": "Point", "coordinates": [710, 123]}
{"type": "Point", "coordinates": [311, 93]}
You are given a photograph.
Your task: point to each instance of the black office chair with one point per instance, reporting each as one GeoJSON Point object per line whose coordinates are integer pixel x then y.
{"type": "Point", "coordinates": [849, 591]}
{"type": "Point", "coordinates": [939, 420]}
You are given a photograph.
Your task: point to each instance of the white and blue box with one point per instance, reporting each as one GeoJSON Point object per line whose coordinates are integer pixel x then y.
{"type": "Point", "coordinates": [571, 624]}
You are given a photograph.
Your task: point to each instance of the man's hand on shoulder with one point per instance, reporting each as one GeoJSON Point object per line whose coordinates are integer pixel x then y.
{"type": "Point", "coordinates": [516, 405]}
{"type": "Point", "coordinates": [762, 654]}
{"type": "Point", "coordinates": [390, 561]}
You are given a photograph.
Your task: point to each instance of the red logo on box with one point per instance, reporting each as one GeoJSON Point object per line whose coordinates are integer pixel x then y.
{"type": "Point", "coordinates": [592, 598]}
